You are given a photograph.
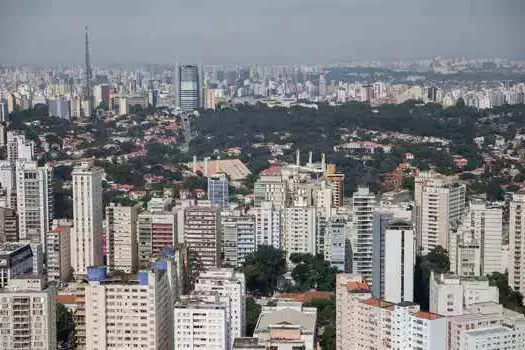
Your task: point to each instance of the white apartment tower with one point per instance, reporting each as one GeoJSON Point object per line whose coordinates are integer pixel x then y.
{"type": "Point", "coordinates": [363, 206]}
{"type": "Point", "coordinates": [86, 245]}
{"type": "Point", "coordinates": [450, 295]}
{"type": "Point", "coordinates": [440, 202]}
{"type": "Point", "coordinates": [28, 315]}
{"type": "Point", "coordinates": [267, 225]}
{"type": "Point", "coordinates": [299, 229]}
{"type": "Point", "coordinates": [18, 148]}
{"type": "Point", "coordinates": [121, 237]}
{"type": "Point", "coordinates": [201, 324]}
{"type": "Point", "coordinates": [393, 258]}
{"type": "Point", "coordinates": [475, 250]}
{"type": "Point", "coordinates": [517, 243]}
{"type": "Point", "coordinates": [134, 313]}
{"type": "Point", "coordinates": [34, 192]}
{"type": "Point", "coordinates": [226, 282]}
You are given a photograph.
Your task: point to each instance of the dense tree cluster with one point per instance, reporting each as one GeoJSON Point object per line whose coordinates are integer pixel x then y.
{"type": "Point", "coordinates": [438, 261]}
{"type": "Point", "coordinates": [262, 270]}
{"type": "Point", "coordinates": [312, 272]}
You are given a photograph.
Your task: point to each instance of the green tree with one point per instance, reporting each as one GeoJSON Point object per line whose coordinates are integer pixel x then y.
{"type": "Point", "coordinates": [509, 298]}
{"type": "Point", "coordinates": [312, 273]}
{"type": "Point", "coordinates": [253, 310]}
{"type": "Point", "coordinates": [438, 261]}
{"type": "Point", "coordinates": [65, 323]}
{"type": "Point", "coordinates": [326, 312]}
{"type": "Point", "coordinates": [262, 270]}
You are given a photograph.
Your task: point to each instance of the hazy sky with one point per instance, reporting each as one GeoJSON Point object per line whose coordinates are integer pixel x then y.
{"type": "Point", "coordinates": [258, 31]}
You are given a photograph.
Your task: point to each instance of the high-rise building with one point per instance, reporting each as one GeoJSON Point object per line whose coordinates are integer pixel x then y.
{"type": "Point", "coordinates": [18, 148]}
{"type": "Point", "coordinates": [189, 88]}
{"type": "Point", "coordinates": [156, 231]}
{"type": "Point", "coordinates": [364, 322]}
{"type": "Point", "coordinates": [334, 247]}
{"type": "Point", "coordinates": [28, 315]}
{"type": "Point", "coordinates": [101, 94]}
{"type": "Point", "coordinates": [3, 134]}
{"type": "Point", "coordinates": [267, 225]}
{"type": "Point", "coordinates": [338, 185]}
{"type": "Point", "coordinates": [299, 229]}
{"type": "Point", "coordinates": [8, 184]}
{"type": "Point", "coordinates": [517, 243]}
{"type": "Point", "coordinates": [121, 237]}
{"type": "Point", "coordinates": [201, 324]}
{"type": "Point", "coordinates": [450, 295]}
{"type": "Point", "coordinates": [393, 258]}
{"type": "Point", "coordinates": [8, 225]}
{"type": "Point", "coordinates": [202, 234]}
{"type": "Point", "coordinates": [476, 248]}
{"type": "Point", "coordinates": [439, 204]}
{"type": "Point", "coordinates": [361, 239]}
{"type": "Point", "coordinates": [271, 186]}
{"type": "Point", "coordinates": [4, 115]}
{"type": "Point", "coordinates": [238, 237]}
{"type": "Point", "coordinates": [34, 193]}
{"type": "Point", "coordinates": [227, 283]}
{"type": "Point", "coordinates": [60, 108]}
{"type": "Point", "coordinates": [17, 260]}
{"type": "Point", "coordinates": [218, 190]}
{"type": "Point", "coordinates": [58, 254]}
{"type": "Point", "coordinates": [322, 86]}
{"type": "Point", "coordinates": [86, 238]}
{"type": "Point", "coordinates": [134, 313]}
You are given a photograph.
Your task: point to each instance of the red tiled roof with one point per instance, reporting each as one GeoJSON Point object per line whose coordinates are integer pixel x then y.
{"type": "Point", "coordinates": [377, 303]}
{"type": "Point", "coordinates": [427, 315]}
{"type": "Point", "coordinates": [356, 286]}
{"type": "Point", "coordinates": [306, 296]}
{"type": "Point", "coordinates": [65, 299]}
{"type": "Point", "coordinates": [273, 170]}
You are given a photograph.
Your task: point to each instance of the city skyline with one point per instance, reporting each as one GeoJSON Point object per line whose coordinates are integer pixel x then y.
{"type": "Point", "coordinates": [269, 32]}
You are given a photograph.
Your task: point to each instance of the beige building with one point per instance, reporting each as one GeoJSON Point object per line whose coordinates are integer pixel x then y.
{"type": "Point", "coordinates": [28, 315]}
{"type": "Point", "coordinates": [364, 322]}
{"type": "Point", "coordinates": [439, 204]}
{"type": "Point", "coordinates": [58, 254]}
{"type": "Point", "coordinates": [288, 325]}
{"type": "Point", "coordinates": [121, 237]}
{"type": "Point", "coordinates": [86, 237]}
{"type": "Point", "coordinates": [136, 312]}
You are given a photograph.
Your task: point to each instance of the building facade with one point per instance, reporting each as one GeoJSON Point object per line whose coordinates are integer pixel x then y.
{"type": "Point", "coordinates": [86, 238]}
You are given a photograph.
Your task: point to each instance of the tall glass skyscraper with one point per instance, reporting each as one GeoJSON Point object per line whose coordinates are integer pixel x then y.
{"type": "Point", "coordinates": [189, 88]}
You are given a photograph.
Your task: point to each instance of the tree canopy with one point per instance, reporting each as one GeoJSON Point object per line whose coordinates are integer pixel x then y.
{"type": "Point", "coordinates": [436, 260]}
{"type": "Point", "coordinates": [262, 270]}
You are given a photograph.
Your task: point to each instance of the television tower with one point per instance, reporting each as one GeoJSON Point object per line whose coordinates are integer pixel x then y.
{"type": "Point", "coordinates": [88, 95]}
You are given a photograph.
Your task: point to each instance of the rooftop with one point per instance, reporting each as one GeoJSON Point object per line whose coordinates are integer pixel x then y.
{"type": "Point", "coordinates": [290, 317]}
{"type": "Point", "coordinates": [358, 287]}
{"type": "Point", "coordinates": [425, 315]}
{"type": "Point", "coordinates": [377, 303]}
{"type": "Point", "coordinates": [306, 296]}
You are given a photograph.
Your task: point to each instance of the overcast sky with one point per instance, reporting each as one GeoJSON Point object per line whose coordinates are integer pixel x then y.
{"type": "Point", "coordinates": [258, 31]}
